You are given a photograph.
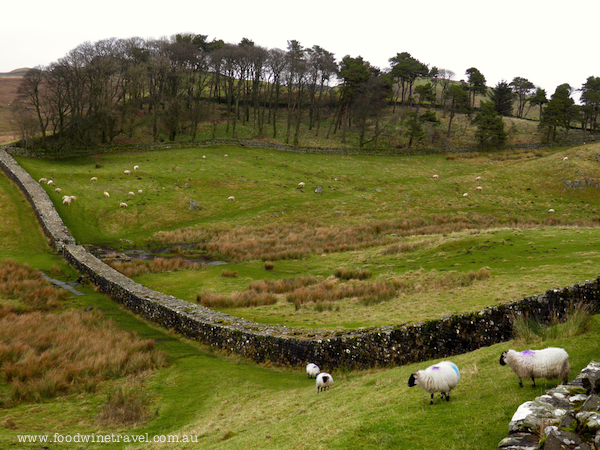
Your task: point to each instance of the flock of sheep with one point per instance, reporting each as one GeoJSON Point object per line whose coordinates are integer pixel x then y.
{"type": "Point", "coordinates": [68, 199]}
{"type": "Point", "coordinates": [551, 362]}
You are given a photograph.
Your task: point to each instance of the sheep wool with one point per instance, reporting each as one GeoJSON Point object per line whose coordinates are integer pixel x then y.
{"type": "Point", "coordinates": [324, 381]}
{"type": "Point", "coordinates": [441, 377]}
{"type": "Point", "coordinates": [312, 370]}
{"type": "Point", "coordinates": [551, 362]}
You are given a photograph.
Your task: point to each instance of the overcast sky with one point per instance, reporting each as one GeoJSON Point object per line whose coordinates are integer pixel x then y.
{"type": "Point", "coordinates": [549, 43]}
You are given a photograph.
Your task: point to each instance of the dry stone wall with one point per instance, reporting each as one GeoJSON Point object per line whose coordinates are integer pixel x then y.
{"type": "Point", "coordinates": [361, 348]}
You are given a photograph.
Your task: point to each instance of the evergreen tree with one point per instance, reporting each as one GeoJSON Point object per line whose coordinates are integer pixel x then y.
{"type": "Point", "coordinates": [490, 127]}
{"type": "Point", "coordinates": [503, 98]}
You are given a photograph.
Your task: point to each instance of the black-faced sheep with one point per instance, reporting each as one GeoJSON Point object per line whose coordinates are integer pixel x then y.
{"type": "Point", "coordinates": [312, 370]}
{"type": "Point", "coordinates": [324, 381]}
{"type": "Point", "coordinates": [551, 362]}
{"type": "Point", "coordinates": [441, 377]}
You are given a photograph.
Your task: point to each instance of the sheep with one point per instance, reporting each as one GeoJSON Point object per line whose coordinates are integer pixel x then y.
{"type": "Point", "coordinates": [43, 180]}
{"type": "Point", "coordinates": [225, 155]}
{"type": "Point", "coordinates": [551, 362]}
{"type": "Point", "coordinates": [136, 167]}
{"type": "Point", "coordinates": [312, 370]}
{"type": "Point", "coordinates": [127, 172]}
{"type": "Point", "coordinates": [73, 198]}
{"type": "Point", "coordinates": [58, 190]}
{"type": "Point", "coordinates": [203, 156]}
{"type": "Point", "coordinates": [551, 210]}
{"type": "Point", "coordinates": [301, 185]}
{"type": "Point", "coordinates": [465, 194]}
{"type": "Point", "coordinates": [106, 194]}
{"type": "Point", "coordinates": [478, 188]}
{"type": "Point", "coordinates": [50, 183]}
{"type": "Point", "coordinates": [66, 200]}
{"type": "Point", "coordinates": [435, 177]}
{"type": "Point", "coordinates": [131, 194]}
{"type": "Point", "coordinates": [565, 158]}
{"type": "Point", "coordinates": [140, 192]}
{"type": "Point", "coordinates": [123, 205]}
{"type": "Point", "coordinates": [94, 179]}
{"type": "Point", "coordinates": [477, 178]}
{"type": "Point", "coordinates": [324, 381]}
{"type": "Point", "coordinates": [231, 198]}
{"type": "Point", "coordinates": [441, 377]}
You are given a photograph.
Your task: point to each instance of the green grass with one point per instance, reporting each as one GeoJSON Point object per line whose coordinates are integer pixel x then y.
{"type": "Point", "coordinates": [228, 402]}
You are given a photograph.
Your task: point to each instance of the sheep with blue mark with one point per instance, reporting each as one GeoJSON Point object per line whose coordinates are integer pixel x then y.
{"type": "Point", "coordinates": [551, 362]}
{"type": "Point", "coordinates": [324, 381]}
{"type": "Point", "coordinates": [441, 377]}
{"type": "Point", "coordinates": [312, 370]}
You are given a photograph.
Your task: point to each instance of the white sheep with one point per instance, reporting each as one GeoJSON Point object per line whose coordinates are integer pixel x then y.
{"type": "Point", "coordinates": [58, 190]}
{"type": "Point", "coordinates": [465, 194]}
{"type": "Point", "coordinates": [73, 198]}
{"type": "Point", "coordinates": [136, 167]}
{"type": "Point", "coordinates": [127, 172]}
{"type": "Point", "coordinates": [324, 381]}
{"type": "Point", "coordinates": [123, 205]}
{"type": "Point", "coordinates": [551, 210]}
{"type": "Point", "coordinates": [66, 200]}
{"type": "Point", "coordinates": [43, 180]}
{"type": "Point", "coordinates": [106, 194]}
{"type": "Point", "coordinates": [131, 194]}
{"type": "Point", "coordinates": [301, 185]}
{"type": "Point", "coordinates": [551, 362]}
{"type": "Point", "coordinates": [50, 183]}
{"type": "Point", "coordinates": [225, 155]}
{"type": "Point", "coordinates": [140, 192]}
{"type": "Point", "coordinates": [312, 370]}
{"type": "Point", "coordinates": [435, 177]}
{"type": "Point", "coordinates": [441, 377]}
{"type": "Point", "coordinates": [203, 156]}
{"type": "Point", "coordinates": [231, 198]}
{"type": "Point", "coordinates": [478, 188]}
{"type": "Point", "coordinates": [477, 178]}
{"type": "Point", "coordinates": [94, 179]}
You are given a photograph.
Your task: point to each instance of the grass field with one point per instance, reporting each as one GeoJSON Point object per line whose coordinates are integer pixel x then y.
{"type": "Point", "coordinates": [440, 236]}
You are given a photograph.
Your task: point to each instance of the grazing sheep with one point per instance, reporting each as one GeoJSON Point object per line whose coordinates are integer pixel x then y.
{"type": "Point", "coordinates": [66, 200]}
{"type": "Point", "coordinates": [477, 178]}
{"type": "Point", "coordinates": [43, 180]}
{"type": "Point", "coordinates": [140, 192]}
{"type": "Point", "coordinates": [478, 188]}
{"type": "Point", "coordinates": [203, 156]}
{"type": "Point", "coordinates": [465, 194]}
{"type": "Point", "coordinates": [565, 158]}
{"type": "Point", "coordinates": [231, 198]}
{"type": "Point", "coordinates": [106, 194]}
{"type": "Point", "coordinates": [225, 155]}
{"type": "Point", "coordinates": [301, 185]}
{"type": "Point", "coordinates": [131, 194]}
{"type": "Point", "coordinates": [58, 190]}
{"type": "Point", "coordinates": [136, 167]}
{"type": "Point", "coordinates": [324, 381]}
{"type": "Point", "coordinates": [73, 198]}
{"type": "Point", "coordinates": [551, 210]}
{"type": "Point", "coordinates": [435, 177]}
{"type": "Point", "coordinates": [551, 362]}
{"type": "Point", "coordinates": [123, 205]}
{"type": "Point", "coordinates": [50, 183]}
{"type": "Point", "coordinates": [441, 377]}
{"type": "Point", "coordinates": [312, 370]}
{"type": "Point", "coordinates": [94, 179]}
{"type": "Point", "coordinates": [127, 172]}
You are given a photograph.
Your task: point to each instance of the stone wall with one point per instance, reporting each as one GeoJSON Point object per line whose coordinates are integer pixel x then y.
{"type": "Point", "coordinates": [362, 348]}
{"type": "Point", "coordinates": [566, 417]}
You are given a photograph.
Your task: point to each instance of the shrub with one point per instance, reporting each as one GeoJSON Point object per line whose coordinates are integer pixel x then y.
{"type": "Point", "coordinates": [229, 274]}
{"type": "Point", "coordinates": [352, 274]}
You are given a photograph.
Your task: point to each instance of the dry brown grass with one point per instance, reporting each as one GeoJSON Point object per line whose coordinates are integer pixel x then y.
{"type": "Point", "coordinates": [281, 241]}
{"type": "Point", "coordinates": [127, 405]}
{"type": "Point", "coordinates": [157, 265]}
{"type": "Point", "coordinates": [26, 286]}
{"type": "Point", "coordinates": [46, 355]}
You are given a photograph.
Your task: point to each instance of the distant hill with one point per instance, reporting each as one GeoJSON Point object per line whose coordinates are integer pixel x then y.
{"type": "Point", "coordinates": [14, 73]}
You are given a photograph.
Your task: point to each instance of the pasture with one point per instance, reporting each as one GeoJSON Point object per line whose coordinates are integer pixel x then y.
{"type": "Point", "coordinates": [396, 222]}
{"type": "Point", "coordinates": [430, 249]}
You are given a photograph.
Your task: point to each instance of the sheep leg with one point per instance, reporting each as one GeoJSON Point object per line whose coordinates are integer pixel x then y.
{"type": "Point", "coordinates": [533, 381]}
{"type": "Point", "coordinates": [520, 382]}
{"type": "Point", "coordinates": [431, 401]}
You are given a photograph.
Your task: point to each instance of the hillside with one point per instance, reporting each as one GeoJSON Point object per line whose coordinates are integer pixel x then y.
{"type": "Point", "coordinates": [9, 83]}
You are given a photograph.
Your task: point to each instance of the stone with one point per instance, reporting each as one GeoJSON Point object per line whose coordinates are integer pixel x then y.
{"type": "Point", "coordinates": [194, 205]}
{"type": "Point", "coordinates": [591, 404]}
{"type": "Point", "coordinates": [561, 440]}
{"type": "Point", "coordinates": [319, 189]}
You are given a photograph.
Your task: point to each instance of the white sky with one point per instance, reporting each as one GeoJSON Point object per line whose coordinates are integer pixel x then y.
{"type": "Point", "coordinates": [549, 43]}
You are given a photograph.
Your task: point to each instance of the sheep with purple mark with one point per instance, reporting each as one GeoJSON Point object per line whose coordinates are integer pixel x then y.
{"type": "Point", "coordinates": [441, 377]}
{"type": "Point", "coordinates": [551, 362]}
{"type": "Point", "coordinates": [312, 370]}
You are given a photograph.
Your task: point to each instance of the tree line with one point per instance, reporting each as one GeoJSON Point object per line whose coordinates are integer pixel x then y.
{"type": "Point", "coordinates": [169, 87]}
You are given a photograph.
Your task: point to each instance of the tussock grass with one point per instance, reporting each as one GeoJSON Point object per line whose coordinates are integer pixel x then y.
{"type": "Point", "coordinates": [352, 274]}
{"type": "Point", "coordinates": [127, 405]}
{"type": "Point", "coordinates": [157, 265]}
{"type": "Point", "coordinates": [576, 321]}
{"type": "Point", "coordinates": [46, 355]}
{"type": "Point", "coordinates": [25, 284]}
